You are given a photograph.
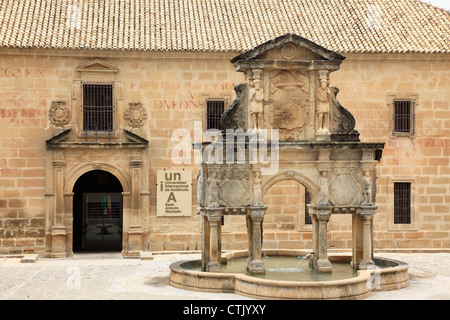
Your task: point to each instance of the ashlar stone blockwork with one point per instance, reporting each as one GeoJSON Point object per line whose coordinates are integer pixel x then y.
{"type": "Point", "coordinates": [287, 95]}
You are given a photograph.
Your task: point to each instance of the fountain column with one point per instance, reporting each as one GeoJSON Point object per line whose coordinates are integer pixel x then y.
{"type": "Point", "coordinates": [315, 230]}
{"type": "Point", "coordinates": [367, 218]}
{"type": "Point", "coordinates": [214, 217]}
{"type": "Point", "coordinates": [254, 263]}
{"type": "Point", "coordinates": [205, 239]}
{"type": "Point", "coordinates": [321, 262]}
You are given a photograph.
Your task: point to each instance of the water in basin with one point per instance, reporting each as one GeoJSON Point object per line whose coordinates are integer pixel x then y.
{"type": "Point", "coordinates": [291, 269]}
{"type": "Point", "coordinates": [286, 268]}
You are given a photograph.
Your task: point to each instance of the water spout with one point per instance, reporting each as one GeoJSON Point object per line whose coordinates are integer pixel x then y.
{"type": "Point", "coordinates": [304, 257]}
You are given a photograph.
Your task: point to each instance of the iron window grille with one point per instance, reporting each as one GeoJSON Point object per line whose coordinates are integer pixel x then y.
{"type": "Point", "coordinates": [402, 203]}
{"type": "Point", "coordinates": [214, 110]}
{"type": "Point", "coordinates": [404, 116]}
{"type": "Point", "coordinates": [98, 107]}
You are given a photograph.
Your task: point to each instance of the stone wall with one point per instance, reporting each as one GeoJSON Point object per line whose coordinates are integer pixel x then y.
{"type": "Point", "coordinates": [367, 84]}
{"type": "Point", "coordinates": [173, 88]}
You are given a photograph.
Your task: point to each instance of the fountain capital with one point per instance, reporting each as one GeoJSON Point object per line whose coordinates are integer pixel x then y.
{"type": "Point", "coordinates": [213, 214]}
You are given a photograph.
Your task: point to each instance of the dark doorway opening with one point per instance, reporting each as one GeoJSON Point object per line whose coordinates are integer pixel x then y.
{"type": "Point", "coordinates": [97, 213]}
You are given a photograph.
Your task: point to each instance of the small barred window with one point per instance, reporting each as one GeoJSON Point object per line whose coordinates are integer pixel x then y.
{"type": "Point", "coordinates": [404, 116]}
{"type": "Point", "coordinates": [215, 108]}
{"type": "Point", "coordinates": [402, 203]}
{"type": "Point", "coordinates": [98, 107]}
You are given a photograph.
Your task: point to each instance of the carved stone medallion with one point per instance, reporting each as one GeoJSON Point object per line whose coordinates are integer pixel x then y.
{"type": "Point", "coordinates": [344, 188]}
{"type": "Point", "coordinates": [290, 101]}
{"type": "Point", "coordinates": [289, 51]}
{"type": "Point", "coordinates": [135, 114]}
{"type": "Point", "coordinates": [235, 190]}
{"type": "Point", "coordinates": [59, 114]}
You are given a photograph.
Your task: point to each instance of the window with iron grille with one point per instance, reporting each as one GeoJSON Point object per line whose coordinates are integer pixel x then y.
{"type": "Point", "coordinates": [98, 107]}
{"type": "Point", "coordinates": [215, 108]}
{"type": "Point", "coordinates": [402, 202]}
{"type": "Point", "coordinates": [404, 116]}
{"type": "Point", "coordinates": [307, 201]}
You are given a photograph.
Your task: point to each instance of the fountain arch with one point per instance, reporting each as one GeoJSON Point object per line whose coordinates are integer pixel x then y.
{"type": "Point", "coordinates": [296, 176]}
{"type": "Point", "coordinates": [287, 211]}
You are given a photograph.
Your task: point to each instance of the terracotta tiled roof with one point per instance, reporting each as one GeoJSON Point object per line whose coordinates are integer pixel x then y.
{"type": "Point", "coordinates": [343, 26]}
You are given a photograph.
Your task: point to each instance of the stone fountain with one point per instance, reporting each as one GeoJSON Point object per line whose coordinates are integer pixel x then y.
{"type": "Point", "coordinates": [286, 123]}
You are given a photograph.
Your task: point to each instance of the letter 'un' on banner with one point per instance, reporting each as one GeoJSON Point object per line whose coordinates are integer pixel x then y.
{"type": "Point", "coordinates": [174, 193]}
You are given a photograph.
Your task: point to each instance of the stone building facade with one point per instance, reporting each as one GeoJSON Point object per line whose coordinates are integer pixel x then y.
{"type": "Point", "coordinates": [47, 148]}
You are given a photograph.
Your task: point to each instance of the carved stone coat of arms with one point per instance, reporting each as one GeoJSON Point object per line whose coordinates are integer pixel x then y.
{"type": "Point", "coordinates": [290, 103]}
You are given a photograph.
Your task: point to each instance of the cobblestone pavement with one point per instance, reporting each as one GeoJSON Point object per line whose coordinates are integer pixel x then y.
{"type": "Point", "coordinates": [109, 276]}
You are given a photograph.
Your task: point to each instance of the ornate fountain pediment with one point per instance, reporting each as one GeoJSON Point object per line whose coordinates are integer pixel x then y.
{"type": "Point", "coordinates": [289, 47]}
{"type": "Point", "coordinates": [290, 75]}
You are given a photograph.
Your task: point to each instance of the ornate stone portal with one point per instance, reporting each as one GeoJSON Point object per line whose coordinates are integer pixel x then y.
{"type": "Point", "coordinates": [287, 94]}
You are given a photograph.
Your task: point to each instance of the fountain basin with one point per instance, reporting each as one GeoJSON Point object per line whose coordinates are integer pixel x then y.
{"type": "Point", "coordinates": [387, 275]}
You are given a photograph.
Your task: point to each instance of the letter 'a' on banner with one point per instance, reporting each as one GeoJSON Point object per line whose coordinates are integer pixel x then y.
{"type": "Point", "coordinates": [174, 193]}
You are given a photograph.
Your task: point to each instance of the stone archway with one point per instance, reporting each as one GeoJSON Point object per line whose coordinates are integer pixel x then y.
{"type": "Point", "coordinates": [97, 212]}
{"type": "Point", "coordinates": [291, 175]}
{"type": "Point", "coordinates": [80, 169]}
{"type": "Point", "coordinates": [287, 212]}
{"type": "Point", "coordinates": [68, 158]}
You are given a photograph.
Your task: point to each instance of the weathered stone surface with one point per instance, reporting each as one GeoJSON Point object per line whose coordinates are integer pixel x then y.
{"type": "Point", "coordinates": [235, 116]}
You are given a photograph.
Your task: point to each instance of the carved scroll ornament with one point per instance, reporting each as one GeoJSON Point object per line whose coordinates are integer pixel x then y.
{"type": "Point", "coordinates": [59, 114]}
{"type": "Point", "coordinates": [136, 114]}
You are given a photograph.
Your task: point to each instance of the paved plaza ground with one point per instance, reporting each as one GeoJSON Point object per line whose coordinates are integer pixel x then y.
{"type": "Point", "coordinates": [111, 277]}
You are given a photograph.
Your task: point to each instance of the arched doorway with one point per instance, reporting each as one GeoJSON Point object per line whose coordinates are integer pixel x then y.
{"type": "Point", "coordinates": [97, 213]}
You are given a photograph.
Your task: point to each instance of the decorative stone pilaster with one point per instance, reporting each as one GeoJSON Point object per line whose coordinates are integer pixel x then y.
{"type": "Point", "coordinates": [135, 232]}
{"type": "Point", "coordinates": [254, 263]}
{"type": "Point", "coordinates": [58, 232]}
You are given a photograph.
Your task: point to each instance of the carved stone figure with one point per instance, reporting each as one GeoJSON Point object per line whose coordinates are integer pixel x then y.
{"type": "Point", "coordinates": [200, 186]}
{"type": "Point", "coordinates": [323, 189]}
{"type": "Point", "coordinates": [367, 188]}
{"type": "Point", "coordinates": [257, 195]}
{"type": "Point", "coordinates": [234, 115]}
{"type": "Point", "coordinates": [323, 95]}
{"type": "Point", "coordinates": [256, 97]}
{"type": "Point", "coordinates": [213, 190]}
{"type": "Point", "coordinates": [343, 122]}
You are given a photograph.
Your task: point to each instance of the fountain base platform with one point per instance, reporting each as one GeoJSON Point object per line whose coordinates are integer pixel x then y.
{"type": "Point", "coordinates": [386, 274]}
